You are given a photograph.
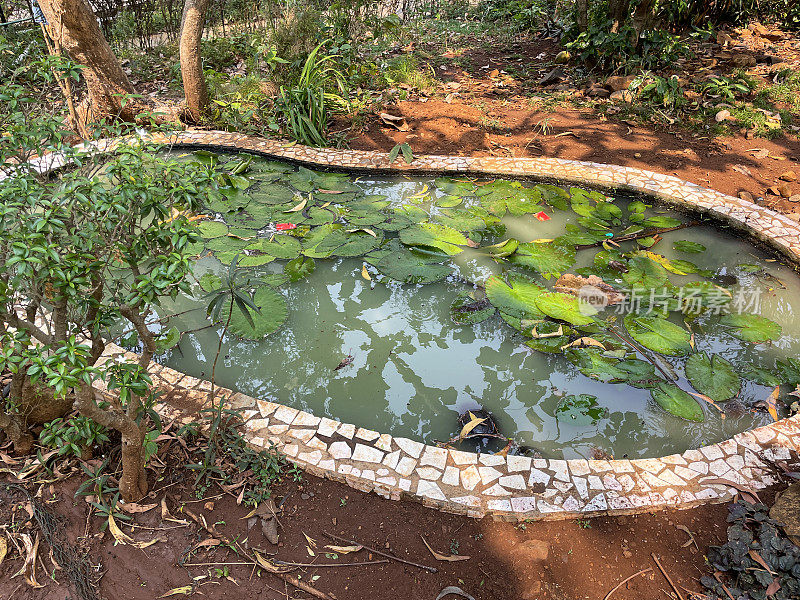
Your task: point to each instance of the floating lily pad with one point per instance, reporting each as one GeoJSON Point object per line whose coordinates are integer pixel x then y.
{"type": "Point", "coordinates": [284, 247]}
{"type": "Point", "coordinates": [255, 260]}
{"type": "Point", "coordinates": [212, 229]}
{"type": "Point", "coordinates": [565, 307]}
{"type": "Point", "coordinates": [580, 410]}
{"type": "Point", "coordinates": [434, 235]}
{"type": "Point", "coordinates": [661, 221]}
{"type": "Point", "coordinates": [274, 193]}
{"type": "Point", "coordinates": [210, 282]}
{"type": "Point", "coordinates": [517, 299]}
{"type": "Point", "coordinates": [548, 258]}
{"type": "Point", "coordinates": [593, 363]}
{"type": "Point", "coordinates": [555, 196]}
{"type": "Point", "coordinates": [714, 377]}
{"type": "Point", "coordinates": [501, 196]}
{"type": "Point", "coordinates": [466, 310]}
{"type": "Point", "coordinates": [463, 220]}
{"type": "Point", "coordinates": [687, 246]}
{"type": "Point", "coordinates": [299, 268]}
{"type": "Point", "coordinates": [645, 273]}
{"type": "Point", "coordinates": [455, 187]}
{"type": "Point", "coordinates": [273, 312]}
{"type": "Point", "coordinates": [659, 335]}
{"type": "Point", "coordinates": [226, 244]}
{"type": "Point", "coordinates": [752, 328]}
{"type": "Point", "coordinates": [403, 266]}
{"type": "Point", "coordinates": [677, 402]}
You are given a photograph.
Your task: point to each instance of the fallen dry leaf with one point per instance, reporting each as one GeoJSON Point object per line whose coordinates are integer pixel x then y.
{"type": "Point", "coordinates": [443, 557]}
{"type": "Point", "coordinates": [398, 123]}
{"type": "Point", "coordinates": [297, 208]}
{"type": "Point", "coordinates": [771, 402]}
{"type": "Point", "coordinates": [344, 549]}
{"type": "Point", "coordinates": [3, 548]}
{"type": "Point", "coordinates": [133, 508]}
{"type": "Point", "coordinates": [455, 590]}
{"type": "Point", "coordinates": [471, 424]}
{"type": "Point", "coordinates": [364, 273]}
{"type": "Point", "coordinates": [28, 569]}
{"type": "Point", "coordinates": [185, 590]}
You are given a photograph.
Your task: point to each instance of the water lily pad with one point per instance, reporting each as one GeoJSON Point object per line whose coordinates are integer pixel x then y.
{"type": "Point", "coordinates": [763, 377]}
{"type": "Point", "coordinates": [168, 339]}
{"type": "Point", "coordinates": [212, 229]}
{"type": "Point", "coordinates": [752, 328]}
{"type": "Point", "coordinates": [284, 247]}
{"type": "Point", "coordinates": [273, 193]}
{"type": "Point", "coordinates": [402, 265]}
{"type": "Point", "coordinates": [511, 196]}
{"type": "Point", "coordinates": [714, 377]}
{"type": "Point", "coordinates": [645, 273]}
{"type": "Point", "coordinates": [548, 258]}
{"type": "Point", "coordinates": [434, 235]}
{"type": "Point", "coordinates": [593, 363]}
{"type": "Point", "coordinates": [210, 282]}
{"type": "Point", "coordinates": [501, 249]}
{"type": "Point", "coordinates": [555, 196]}
{"type": "Point", "coordinates": [517, 299]}
{"type": "Point", "coordinates": [659, 335]}
{"type": "Point", "coordinates": [273, 312]}
{"type": "Point", "coordinates": [661, 221]}
{"type": "Point", "coordinates": [677, 402]}
{"type": "Point", "coordinates": [255, 260]}
{"type": "Point", "coordinates": [401, 217]}
{"type": "Point", "coordinates": [448, 201]}
{"type": "Point", "coordinates": [299, 268]}
{"type": "Point", "coordinates": [463, 220]}
{"type": "Point", "coordinates": [455, 187]}
{"type": "Point", "coordinates": [467, 310]}
{"type": "Point", "coordinates": [580, 410]}
{"type": "Point", "coordinates": [687, 246]}
{"type": "Point", "coordinates": [565, 307]}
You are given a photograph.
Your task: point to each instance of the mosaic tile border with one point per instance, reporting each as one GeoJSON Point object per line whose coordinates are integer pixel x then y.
{"type": "Point", "coordinates": [512, 487]}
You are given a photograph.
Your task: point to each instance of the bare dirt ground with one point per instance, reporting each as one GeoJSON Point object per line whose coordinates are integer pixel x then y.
{"type": "Point", "coordinates": [560, 560]}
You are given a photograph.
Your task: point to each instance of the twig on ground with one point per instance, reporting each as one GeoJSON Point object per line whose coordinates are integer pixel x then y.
{"type": "Point", "coordinates": [283, 563]}
{"type": "Point", "coordinates": [380, 553]}
{"type": "Point", "coordinates": [626, 580]}
{"type": "Point", "coordinates": [667, 577]}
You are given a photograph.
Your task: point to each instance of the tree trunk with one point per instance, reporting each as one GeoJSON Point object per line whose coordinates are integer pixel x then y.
{"type": "Point", "coordinates": [194, 84]}
{"type": "Point", "coordinates": [16, 432]}
{"type": "Point", "coordinates": [619, 12]}
{"type": "Point", "coordinates": [73, 27]}
{"type": "Point", "coordinates": [582, 14]}
{"type": "Point", "coordinates": [643, 18]}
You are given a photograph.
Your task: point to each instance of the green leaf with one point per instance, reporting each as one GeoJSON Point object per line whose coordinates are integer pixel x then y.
{"type": "Point", "coordinates": [555, 196]}
{"type": "Point", "coordinates": [466, 310]}
{"type": "Point", "coordinates": [594, 364]}
{"type": "Point", "coordinates": [455, 187]}
{"type": "Point", "coordinates": [501, 196]}
{"type": "Point", "coordinates": [210, 282]}
{"type": "Point", "coordinates": [580, 410]}
{"type": "Point", "coordinates": [299, 268]}
{"type": "Point", "coordinates": [501, 249]}
{"type": "Point", "coordinates": [518, 299]}
{"type": "Point", "coordinates": [434, 235]}
{"type": "Point", "coordinates": [687, 246]}
{"type": "Point", "coordinates": [255, 260]}
{"type": "Point", "coordinates": [677, 402]}
{"type": "Point", "coordinates": [393, 153]}
{"type": "Point", "coordinates": [548, 258]}
{"type": "Point", "coordinates": [764, 377]}
{"type": "Point", "coordinates": [408, 155]}
{"type": "Point", "coordinates": [752, 328]}
{"type": "Point", "coordinates": [168, 339]}
{"type": "Point", "coordinates": [284, 247]}
{"type": "Point", "coordinates": [273, 312]}
{"type": "Point", "coordinates": [402, 265]}
{"type": "Point", "coordinates": [714, 377]}
{"type": "Point", "coordinates": [644, 273]}
{"type": "Point", "coordinates": [212, 229]}
{"type": "Point", "coordinates": [566, 307]}
{"type": "Point", "coordinates": [659, 335]}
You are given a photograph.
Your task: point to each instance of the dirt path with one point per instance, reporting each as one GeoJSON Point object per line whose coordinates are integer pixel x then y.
{"type": "Point", "coordinates": [561, 560]}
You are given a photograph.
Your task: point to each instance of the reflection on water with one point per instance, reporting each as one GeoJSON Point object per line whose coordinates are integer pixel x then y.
{"type": "Point", "coordinates": [414, 371]}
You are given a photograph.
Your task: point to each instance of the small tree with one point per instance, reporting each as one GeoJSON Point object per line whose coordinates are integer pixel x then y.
{"type": "Point", "coordinates": [194, 83]}
{"type": "Point", "coordinates": [84, 254]}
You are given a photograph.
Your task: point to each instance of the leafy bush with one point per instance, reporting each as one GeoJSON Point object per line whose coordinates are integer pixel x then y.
{"type": "Point", "coordinates": [668, 93]}
{"type": "Point", "coordinates": [305, 107]}
{"type": "Point", "coordinates": [752, 535]}
{"type": "Point", "coordinates": [727, 88]}
{"type": "Point", "coordinates": [83, 253]}
{"type": "Point", "coordinates": [74, 436]}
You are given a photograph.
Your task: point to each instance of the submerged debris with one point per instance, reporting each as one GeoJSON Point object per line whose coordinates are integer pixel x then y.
{"type": "Point", "coordinates": [347, 360]}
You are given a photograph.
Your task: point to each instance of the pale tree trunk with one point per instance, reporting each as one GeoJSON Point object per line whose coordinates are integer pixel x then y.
{"type": "Point", "coordinates": [582, 14]}
{"type": "Point", "coordinates": [194, 84]}
{"type": "Point", "coordinates": [74, 29]}
{"type": "Point", "coordinates": [618, 11]}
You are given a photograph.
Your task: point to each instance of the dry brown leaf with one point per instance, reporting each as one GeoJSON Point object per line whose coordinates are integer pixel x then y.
{"type": "Point", "coordinates": [119, 535]}
{"type": "Point", "coordinates": [268, 565]}
{"type": "Point", "coordinates": [343, 549]}
{"type": "Point", "coordinates": [535, 334]}
{"type": "Point", "coordinates": [133, 508]}
{"type": "Point", "coordinates": [443, 557]}
{"type": "Point", "coordinates": [471, 424]}
{"type": "Point", "coordinates": [584, 342]}
{"type": "Point", "coordinates": [772, 401]}
{"type": "Point", "coordinates": [208, 543]}
{"type": "Point", "coordinates": [753, 497]}
{"type": "Point", "coordinates": [757, 557]}
{"type": "Point", "coordinates": [364, 273]}
{"type": "Point", "coordinates": [28, 569]}
{"type": "Point", "coordinates": [398, 123]}
{"type": "Point", "coordinates": [185, 590]}
{"type": "Point", "coordinates": [297, 208]}
{"type": "Point", "coordinates": [3, 548]}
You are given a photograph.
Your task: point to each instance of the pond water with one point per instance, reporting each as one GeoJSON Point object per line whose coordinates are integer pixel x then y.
{"type": "Point", "coordinates": [557, 379]}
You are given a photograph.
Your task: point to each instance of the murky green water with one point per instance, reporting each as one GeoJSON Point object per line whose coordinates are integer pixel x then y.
{"type": "Point", "coordinates": [414, 371]}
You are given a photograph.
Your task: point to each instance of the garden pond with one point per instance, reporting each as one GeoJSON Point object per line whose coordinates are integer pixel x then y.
{"type": "Point", "coordinates": [578, 324]}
